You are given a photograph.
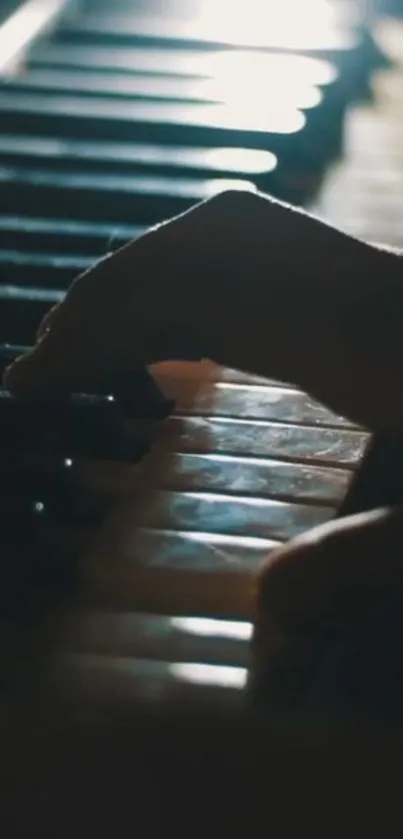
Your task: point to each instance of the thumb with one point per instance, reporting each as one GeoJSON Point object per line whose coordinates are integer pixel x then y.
{"type": "Point", "coordinates": [335, 572]}
{"type": "Point", "coordinates": [330, 613]}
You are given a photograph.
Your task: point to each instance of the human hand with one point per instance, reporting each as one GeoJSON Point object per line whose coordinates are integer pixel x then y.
{"type": "Point", "coordinates": [247, 282]}
{"type": "Point", "coordinates": [329, 620]}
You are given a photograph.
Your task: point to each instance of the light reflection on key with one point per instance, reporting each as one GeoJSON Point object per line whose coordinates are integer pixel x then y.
{"type": "Point", "coordinates": [210, 674]}
{"type": "Point", "coordinates": [208, 627]}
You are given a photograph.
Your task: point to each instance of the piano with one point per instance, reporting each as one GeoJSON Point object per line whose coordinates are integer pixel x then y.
{"type": "Point", "coordinates": [112, 119]}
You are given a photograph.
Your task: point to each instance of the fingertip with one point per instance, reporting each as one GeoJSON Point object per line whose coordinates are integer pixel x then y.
{"type": "Point", "coordinates": [27, 371]}
{"type": "Point", "coordinates": [16, 373]}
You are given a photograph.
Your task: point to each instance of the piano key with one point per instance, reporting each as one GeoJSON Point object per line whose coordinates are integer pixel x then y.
{"type": "Point", "coordinates": [235, 516]}
{"type": "Point", "coordinates": [104, 156]}
{"type": "Point", "coordinates": [194, 551]}
{"type": "Point", "coordinates": [228, 374]}
{"type": "Point", "coordinates": [32, 269]}
{"type": "Point", "coordinates": [285, 32]}
{"type": "Point", "coordinates": [22, 309]}
{"type": "Point", "coordinates": [94, 683]}
{"type": "Point", "coordinates": [155, 637]}
{"type": "Point", "coordinates": [249, 397]}
{"type": "Point", "coordinates": [294, 93]}
{"type": "Point", "coordinates": [68, 236]}
{"type": "Point", "coordinates": [293, 90]}
{"type": "Point", "coordinates": [147, 121]}
{"type": "Point", "coordinates": [127, 569]}
{"type": "Point", "coordinates": [227, 475]}
{"type": "Point", "coordinates": [176, 571]}
{"type": "Point", "coordinates": [262, 402]}
{"type": "Point", "coordinates": [250, 400]}
{"type": "Point", "coordinates": [352, 49]}
{"type": "Point", "coordinates": [182, 63]}
{"type": "Point", "coordinates": [328, 446]}
{"type": "Point", "coordinates": [145, 199]}
{"type": "Point", "coordinates": [170, 572]}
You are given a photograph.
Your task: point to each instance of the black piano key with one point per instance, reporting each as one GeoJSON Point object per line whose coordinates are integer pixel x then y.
{"type": "Point", "coordinates": [105, 197]}
{"type": "Point", "coordinates": [49, 235]}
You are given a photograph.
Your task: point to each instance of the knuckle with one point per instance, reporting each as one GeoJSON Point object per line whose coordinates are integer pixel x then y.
{"type": "Point", "coordinates": [233, 200]}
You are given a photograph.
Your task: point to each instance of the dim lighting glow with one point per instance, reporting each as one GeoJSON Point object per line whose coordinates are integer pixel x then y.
{"type": "Point", "coordinates": [210, 674]}
{"type": "Point", "coordinates": [208, 628]}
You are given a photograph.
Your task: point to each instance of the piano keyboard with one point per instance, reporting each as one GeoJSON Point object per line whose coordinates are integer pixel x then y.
{"type": "Point", "coordinates": [110, 123]}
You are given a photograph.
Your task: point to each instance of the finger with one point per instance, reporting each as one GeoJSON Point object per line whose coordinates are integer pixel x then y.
{"type": "Point", "coordinates": [329, 621]}
{"type": "Point", "coordinates": [75, 343]}
{"type": "Point", "coordinates": [335, 573]}
{"type": "Point", "coordinates": [43, 364]}
{"type": "Point", "coordinates": [20, 368]}
{"type": "Point", "coordinates": [47, 321]}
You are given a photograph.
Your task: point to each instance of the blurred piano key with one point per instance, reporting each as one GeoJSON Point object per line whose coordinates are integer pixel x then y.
{"type": "Point", "coordinates": [112, 198]}
{"type": "Point", "coordinates": [107, 157]}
